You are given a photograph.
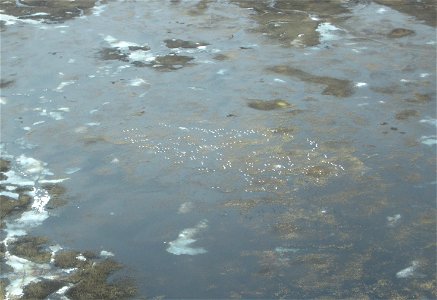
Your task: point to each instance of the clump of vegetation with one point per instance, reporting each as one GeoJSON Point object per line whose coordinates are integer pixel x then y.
{"type": "Point", "coordinates": [400, 32]}
{"type": "Point", "coordinates": [9, 205]}
{"type": "Point", "coordinates": [41, 289]}
{"type": "Point", "coordinates": [56, 193]}
{"type": "Point", "coordinates": [405, 114]}
{"type": "Point", "coordinates": [32, 248]}
{"type": "Point", "coordinates": [269, 104]}
{"type": "Point", "coordinates": [67, 259]}
{"type": "Point", "coordinates": [5, 165]}
{"type": "Point", "coordinates": [91, 282]}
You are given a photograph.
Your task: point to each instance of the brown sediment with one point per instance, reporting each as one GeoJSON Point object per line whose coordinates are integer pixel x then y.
{"type": "Point", "coordinates": [268, 104]}
{"type": "Point", "coordinates": [221, 57]}
{"type": "Point", "coordinates": [405, 114]}
{"type": "Point", "coordinates": [423, 10]}
{"type": "Point", "coordinates": [419, 98]}
{"type": "Point", "coordinates": [54, 10]}
{"type": "Point", "coordinates": [335, 87]}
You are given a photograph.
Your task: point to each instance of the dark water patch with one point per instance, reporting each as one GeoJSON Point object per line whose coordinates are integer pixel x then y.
{"type": "Point", "coordinates": [335, 87]}
{"type": "Point", "coordinates": [48, 11]}
{"type": "Point", "coordinates": [4, 83]}
{"type": "Point", "coordinates": [269, 104]}
{"type": "Point", "coordinates": [178, 43]}
{"type": "Point", "coordinates": [400, 32]}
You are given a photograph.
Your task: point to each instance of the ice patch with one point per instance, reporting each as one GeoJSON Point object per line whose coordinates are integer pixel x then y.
{"type": "Point", "coordinates": [429, 140]}
{"type": "Point", "coordinates": [221, 72]}
{"type": "Point", "coordinates": [186, 207]}
{"type": "Point", "coordinates": [71, 170]}
{"type": "Point", "coordinates": [105, 253]}
{"type": "Point", "coordinates": [63, 84]}
{"type": "Point", "coordinates": [429, 121]}
{"type": "Point", "coordinates": [141, 55]}
{"type": "Point", "coordinates": [328, 32]}
{"type": "Point", "coordinates": [119, 44]}
{"type": "Point", "coordinates": [392, 221]}
{"type": "Point", "coordinates": [279, 80]}
{"type": "Point", "coordinates": [9, 194]}
{"type": "Point", "coordinates": [25, 272]}
{"type": "Point", "coordinates": [11, 20]}
{"type": "Point", "coordinates": [137, 82]}
{"type": "Point", "coordinates": [360, 84]}
{"type": "Point", "coordinates": [31, 165]}
{"type": "Point", "coordinates": [3, 100]}
{"type": "Point", "coordinates": [98, 9]}
{"type": "Point", "coordinates": [410, 271]}
{"type": "Point", "coordinates": [182, 244]}
{"type": "Point", "coordinates": [56, 115]}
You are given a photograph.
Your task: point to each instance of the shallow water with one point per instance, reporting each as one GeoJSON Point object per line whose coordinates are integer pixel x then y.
{"type": "Point", "coordinates": [220, 154]}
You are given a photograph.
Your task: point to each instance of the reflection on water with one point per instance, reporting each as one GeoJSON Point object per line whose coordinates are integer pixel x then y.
{"type": "Point", "coordinates": [218, 149]}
